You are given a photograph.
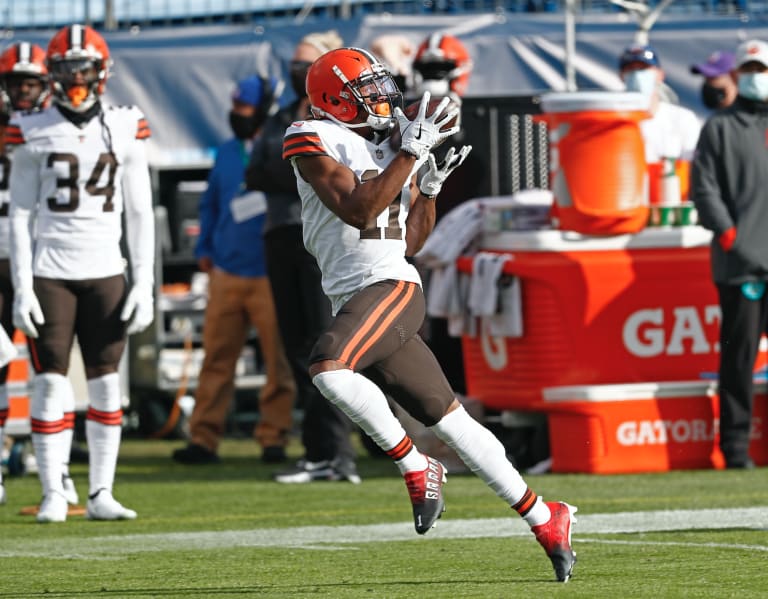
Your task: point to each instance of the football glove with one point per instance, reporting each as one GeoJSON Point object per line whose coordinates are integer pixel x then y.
{"type": "Point", "coordinates": [139, 308]}
{"type": "Point", "coordinates": [422, 134]}
{"type": "Point", "coordinates": [27, 312]}
{"type": "Point", "coordinates": [434, 176]}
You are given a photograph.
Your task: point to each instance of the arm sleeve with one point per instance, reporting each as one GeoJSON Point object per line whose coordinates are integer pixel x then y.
{"type": "Point", "coordinates": [705, 187]}
{"type": "Point", "coordinates": [139, 216]}
{"type": "Point", "coordinates": [24, 189]}
{"type": "Point", "coordinates": [208, 214]}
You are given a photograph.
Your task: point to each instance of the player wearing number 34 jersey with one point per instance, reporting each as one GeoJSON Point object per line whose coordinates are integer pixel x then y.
{"type": "Point", "coordinates": [78, 167]}
{"type": "Point", "coordinates": [74, 178]}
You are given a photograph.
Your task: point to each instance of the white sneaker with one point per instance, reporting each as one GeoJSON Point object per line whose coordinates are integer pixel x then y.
{"type": "Point", "coordinates": [69, 489]}
{"type": "Point", "coordinates": [3, 498]}
{"type": "Point", "coordinates": [102, 506]}
{"type": "Point", "coordinates": [53, 508]}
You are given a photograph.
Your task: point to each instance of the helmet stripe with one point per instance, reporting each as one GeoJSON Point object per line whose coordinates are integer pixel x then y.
{"type": "Point", "coordinates": [76, 38]}
{"type": "Point", "coordinates": [434, 43]}
{"type": "Point", "coordinates": [25, 52]}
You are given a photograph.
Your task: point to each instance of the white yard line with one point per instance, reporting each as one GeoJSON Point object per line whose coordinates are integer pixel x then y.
{"type": "Point", "coordinates": [737, 546]}
{"type": "Point", "coordinates": [337, 537]}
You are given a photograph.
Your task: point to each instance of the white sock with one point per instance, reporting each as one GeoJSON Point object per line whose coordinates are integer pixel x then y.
{"type": "Point", "coordinates": [484, 454]}
{"type": "Point", "coordinates": [103, 428]}
{"type": "Point", "coordinates": [539, 513]}
{"type": "Point", "coordinates": [414, 460]}
{"type": "Point", "coordinates": [66, 448]}
{"type": "Point", "coordinates": [68, 404]}
{"type": "Point", "coordinates": [3, 416]}
{"type": "Point", "coordinates": [47, 426]}
{"type": "Point", "coordinates": [364, 403]}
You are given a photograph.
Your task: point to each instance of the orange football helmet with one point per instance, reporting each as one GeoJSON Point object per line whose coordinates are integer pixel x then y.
{"type": "Point", "coordinates": [350, 86]}
{"type": "Point", "coordinates": [18, 62]}
{"type": "Point", "coordinates": [442, 65]}
{"type": "Point", "coordinates": [78, 61]}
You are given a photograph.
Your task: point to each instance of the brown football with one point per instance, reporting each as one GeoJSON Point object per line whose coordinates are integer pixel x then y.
{"type": "Point", "coordinates": [413, 109]}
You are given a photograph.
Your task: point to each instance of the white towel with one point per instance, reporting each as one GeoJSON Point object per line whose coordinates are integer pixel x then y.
{"type": "Point", "coordinates": [508, 321]}
{"type": "Point", "coordinates": [483, 288]}
{"type": "Point", "coordinates": [455, 231]}
{"type": "Point", "coordinates": [442, 297]}
{"type": "Point", "coordinates": [461, 322]}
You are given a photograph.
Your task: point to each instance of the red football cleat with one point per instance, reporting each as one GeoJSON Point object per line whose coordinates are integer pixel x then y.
{"type": "Point", "coordinates": [426, 490]}
{"type": "Point", "coordinates": [555, 537]}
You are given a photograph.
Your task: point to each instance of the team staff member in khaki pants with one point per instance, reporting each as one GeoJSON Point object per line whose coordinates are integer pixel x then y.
{"type": "Point", "coordinates": [230, 250]}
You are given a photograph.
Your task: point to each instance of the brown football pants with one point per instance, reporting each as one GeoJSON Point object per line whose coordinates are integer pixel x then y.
{"type": "Point", "coordinates": [234, 303]}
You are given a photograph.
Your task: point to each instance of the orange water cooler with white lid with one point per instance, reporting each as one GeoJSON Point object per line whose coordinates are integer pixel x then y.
{"type": "Point", "coordinates": [598, 174]}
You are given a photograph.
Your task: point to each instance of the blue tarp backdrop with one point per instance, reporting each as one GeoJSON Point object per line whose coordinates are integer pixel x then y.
{"type": "Point", "coordinates": [182, 77]}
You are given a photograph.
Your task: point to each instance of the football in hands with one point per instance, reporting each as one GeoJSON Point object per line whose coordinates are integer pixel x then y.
{"type": "Point", "coordinates": [412, 110]}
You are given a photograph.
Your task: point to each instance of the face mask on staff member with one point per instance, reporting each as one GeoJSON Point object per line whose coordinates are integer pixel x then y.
{"type": "Point", "coordinates": [754, 86]}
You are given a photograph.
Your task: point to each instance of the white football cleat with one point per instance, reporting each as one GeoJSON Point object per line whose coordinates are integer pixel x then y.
{"type": "Point", "coordinates": [53, 508]}
{"type": "Point", "coordinates": [70, 493]}
{"type": "Point", "coordinates": [102, 506]}
{"type": "Point", "coordinates": [2, 494]}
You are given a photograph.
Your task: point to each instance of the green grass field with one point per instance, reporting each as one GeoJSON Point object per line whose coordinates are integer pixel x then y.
{"type": "Point", "coordinates": [228, 531]}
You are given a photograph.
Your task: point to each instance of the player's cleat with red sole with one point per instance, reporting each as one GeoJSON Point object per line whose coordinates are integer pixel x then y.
{"type": "Point", "coordinates": [555, 537]}
{"type": "Point", "coordinates": [426, 490]}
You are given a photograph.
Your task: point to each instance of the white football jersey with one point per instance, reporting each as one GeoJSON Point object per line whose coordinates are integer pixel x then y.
{"type": "Point", "coordinates": [75, 181]}
{"type": "Point", "coordinates": [349, 259]}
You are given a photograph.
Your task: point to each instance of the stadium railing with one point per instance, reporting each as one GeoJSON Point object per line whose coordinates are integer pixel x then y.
{"type": "Point", "coordinates": [112, 14]}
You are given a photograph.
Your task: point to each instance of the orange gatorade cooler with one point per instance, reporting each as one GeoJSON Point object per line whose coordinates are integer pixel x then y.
{"type": "Point", "coordinates": [598, 173]}
{"type": "Point", "coordinates": [643, 427]}
{"type": "Point", "coordinates": [597, 309]}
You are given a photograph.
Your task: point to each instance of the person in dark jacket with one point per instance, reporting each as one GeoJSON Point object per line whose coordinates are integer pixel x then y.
{"type": "Point", "coordinates": [729, 179]}
{"type": "Point", "coordinates": [303, 311]}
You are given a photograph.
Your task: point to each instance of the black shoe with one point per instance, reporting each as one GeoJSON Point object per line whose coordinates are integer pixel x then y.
{"type": "Point", "coordinates": [196, 454]}
{"type": "Point", "coordinates": [325, 470]}
{"type": "Point", "coordinates": [274, 454]}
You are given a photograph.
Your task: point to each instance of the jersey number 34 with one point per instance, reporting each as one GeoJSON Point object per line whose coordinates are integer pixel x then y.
{"type": "Point", "coordinates": [106, 160]}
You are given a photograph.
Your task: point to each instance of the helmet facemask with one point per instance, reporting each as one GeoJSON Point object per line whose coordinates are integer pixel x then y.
{"type": "Point", "coordinates": [375, 94]}
{"type": "Point", "coordinates": [77, 82]}
{"type": "Point", "coordinates": [25, 91]}
{"type": "Point", "coordinates": [437, 76]}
